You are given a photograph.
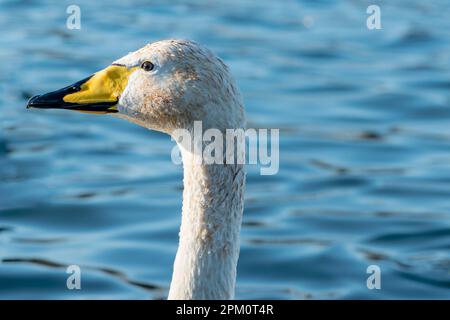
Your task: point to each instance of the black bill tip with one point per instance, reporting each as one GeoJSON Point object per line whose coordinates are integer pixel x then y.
{"type": "Point", "coordinates": [33, 102]}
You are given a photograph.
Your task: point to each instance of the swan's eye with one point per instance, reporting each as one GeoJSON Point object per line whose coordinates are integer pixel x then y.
{"type": "Point", "coordinates": [147, 66]}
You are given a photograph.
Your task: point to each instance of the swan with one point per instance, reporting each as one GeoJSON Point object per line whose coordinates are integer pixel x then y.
{"type": "Point", "coordinates": [167, 86]}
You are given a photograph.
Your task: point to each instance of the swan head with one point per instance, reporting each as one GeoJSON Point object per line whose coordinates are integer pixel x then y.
{"type": "Point", "coordinates": [164, 86]}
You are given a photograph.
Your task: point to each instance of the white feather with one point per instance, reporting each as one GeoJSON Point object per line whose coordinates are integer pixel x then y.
{"type": "Point", "coordinates": [190, 83]}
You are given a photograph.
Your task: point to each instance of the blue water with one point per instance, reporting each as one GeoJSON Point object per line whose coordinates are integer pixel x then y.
{"type": "Point", "coordinates": [364, 118]}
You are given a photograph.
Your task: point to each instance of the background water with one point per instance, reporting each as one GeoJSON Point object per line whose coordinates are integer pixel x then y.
{"type": "Point", "coordinates": [365, 150]}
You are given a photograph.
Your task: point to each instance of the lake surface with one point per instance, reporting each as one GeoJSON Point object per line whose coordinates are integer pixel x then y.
{"type": "Point", "coordinates": [364, 179]}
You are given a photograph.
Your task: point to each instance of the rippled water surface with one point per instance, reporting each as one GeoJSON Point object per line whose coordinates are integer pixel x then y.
{"type": "Point", "coordinates": [364, 178]}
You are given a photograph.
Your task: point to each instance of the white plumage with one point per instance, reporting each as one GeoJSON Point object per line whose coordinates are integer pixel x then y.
{"type": "Point", "coordinates": [189, 84]}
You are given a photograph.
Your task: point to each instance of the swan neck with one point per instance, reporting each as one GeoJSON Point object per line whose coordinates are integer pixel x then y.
{"type": "Point", "coordinates": [206, 260]}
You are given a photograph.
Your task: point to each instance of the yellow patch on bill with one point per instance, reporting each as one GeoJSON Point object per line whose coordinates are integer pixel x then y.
{"type": "Point", "coordinates": [105, 86]}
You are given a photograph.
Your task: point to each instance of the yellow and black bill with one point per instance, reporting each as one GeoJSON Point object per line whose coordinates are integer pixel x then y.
{"type": "Point", "coordinates": [58, 100]}
{"type": "Point", "coordinates": [98, 93]}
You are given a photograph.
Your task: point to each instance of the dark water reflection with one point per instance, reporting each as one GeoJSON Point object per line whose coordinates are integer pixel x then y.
{"type": "Point", "coordinates": [364, 166]}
